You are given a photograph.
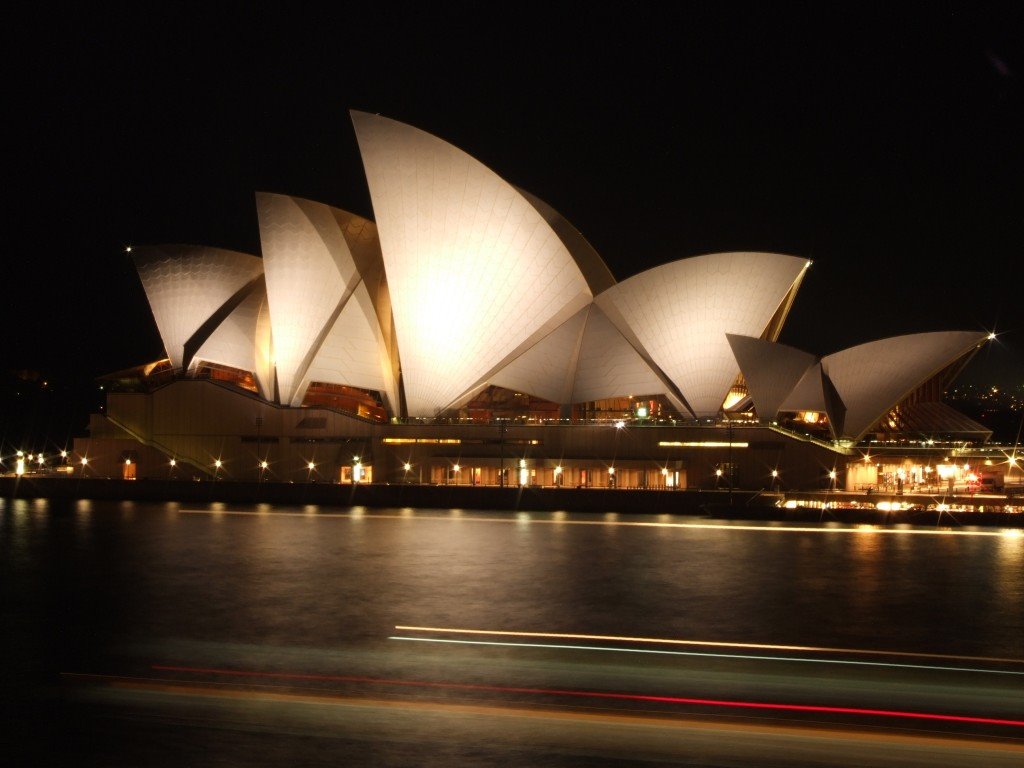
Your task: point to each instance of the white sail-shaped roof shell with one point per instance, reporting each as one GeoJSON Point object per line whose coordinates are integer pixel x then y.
{"type": "Point", "coordinates": [474, 270]}
{"type": "Point", "coordinates": [808, 394]}
{"type": "Point", "coordinates": [186, 285]}
{"type": "Point", "coordinates": [309, 253]}
{"type": "Point", "coordinates": [681, 312]}
{"type": "Point", "coordinates": [353, 352]}
{"type": "Point", "coordinates": [871, 378]}
{"type": "Point", "coordinates": [546, 369]}
{"type": "Point", "coordinates": [236, 341]}
{"type": "Point", "coordinates": [771, 371]}
{"type": "Point", "coordinates": [609, 366]}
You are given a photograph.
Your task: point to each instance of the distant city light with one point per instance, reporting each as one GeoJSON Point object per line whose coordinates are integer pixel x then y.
{"type": "Point", "coordinates": [408, 466]}
{"type": "Point", "coordinates": [217, 463]}
{"type": "Point", "coordinates": [174, 463]}
{"type": "Point", "coordinates": [620, 424]}
{"type": "Point", "coordinates": [85, 460]}
{"type": "Point", "coordinates": [311, 466]}
{"type": "Point", "coordinates": [264, 465]}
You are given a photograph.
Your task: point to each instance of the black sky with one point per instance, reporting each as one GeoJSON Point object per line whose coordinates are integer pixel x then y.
{"type": "Point", "coordinates": [885, 146]}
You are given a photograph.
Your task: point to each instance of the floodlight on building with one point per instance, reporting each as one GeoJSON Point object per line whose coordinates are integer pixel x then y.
{"type": "Point", "coordinates": [664, 471]}
{"type": "Point", "coordinates": [558, 469]}
{"type": "Point", "coordinates": [456, 468]}
{"type": "Point", "coordinates": [718, 473]}
{"type": "Point", "coordinates": [832, 474]}
{"type": "Point", "coordinates": [611, 470]}
{"type": "Point", "coordinates": [127, 462]}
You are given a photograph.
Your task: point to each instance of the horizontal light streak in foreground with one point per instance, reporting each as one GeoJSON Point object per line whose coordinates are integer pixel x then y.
{"type": "Point", "coordinates": [520, 520]}
{"type": "Point", "coordinates": [802, 659]}
{"type": "Point", "coordinates": [702, 643]}
{"type": "Point", "coordinates": [606, 695]}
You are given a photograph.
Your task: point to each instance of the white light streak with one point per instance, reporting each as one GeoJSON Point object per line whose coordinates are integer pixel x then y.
{"type": "Point", "coordinates": [745, 657]}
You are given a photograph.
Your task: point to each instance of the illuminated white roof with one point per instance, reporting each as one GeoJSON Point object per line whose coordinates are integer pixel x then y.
{"type": "Point", "coordinates": [808, 394]}
{"type": "Point", "coordinates": [681, 312]}
{"type": "Point", "coordinates": [771, 371]}
{"type": "Point", "coordinates": [871, 378]}
{"type": "Point", "coordinates": [474, 270]}
{"type": "Point", "coordinates": [353, 351]}
{"type": "Point", "coordinates": [310, 253]}
{"type": "Point", "coordinates": [609, 366]}
{"type": "Point", "coordinates": [187, 285]}
{"type": "Point", "coordinates": [546, 369]}
{"type": "Point", "coordinates": [234, 342]}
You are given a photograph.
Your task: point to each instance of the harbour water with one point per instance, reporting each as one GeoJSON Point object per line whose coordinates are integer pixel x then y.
{"type": "Point", "coordinates": [445, 606]}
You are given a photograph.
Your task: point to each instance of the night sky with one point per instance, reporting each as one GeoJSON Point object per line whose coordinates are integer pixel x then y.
{"type": "Point", "coordinates": [888, 148]}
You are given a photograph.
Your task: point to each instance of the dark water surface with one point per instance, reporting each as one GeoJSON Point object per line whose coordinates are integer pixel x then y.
{"type": "Point", "coordinates": [116, 589]}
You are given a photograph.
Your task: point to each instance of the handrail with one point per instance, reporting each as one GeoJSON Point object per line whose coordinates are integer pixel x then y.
{"type": "Point", "coordinates": [157, 444]}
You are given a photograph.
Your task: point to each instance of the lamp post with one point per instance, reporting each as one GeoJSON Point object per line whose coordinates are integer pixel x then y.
{"type": "Point", "coordinates": [501, 453]}
{"type": "Point", "coordinates": [731, 470]}
{"type": "Point", "coordinates": [259, 435]}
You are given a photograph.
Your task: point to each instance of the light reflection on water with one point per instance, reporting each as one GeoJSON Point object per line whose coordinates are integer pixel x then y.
{"type": "Point", "coordinates": [325, 577]}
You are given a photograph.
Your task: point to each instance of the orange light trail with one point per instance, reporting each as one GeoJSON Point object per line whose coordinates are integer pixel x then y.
{"type": "Point", "coordinates": [608, 695]}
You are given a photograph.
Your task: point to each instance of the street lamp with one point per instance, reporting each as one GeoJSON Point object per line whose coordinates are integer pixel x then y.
{"type": "Point", "coordinates": [832, 480]}
{"type": "Point", "coordinates": [263, 468]}
{"type": "Point", "coordinates": [216, 468]}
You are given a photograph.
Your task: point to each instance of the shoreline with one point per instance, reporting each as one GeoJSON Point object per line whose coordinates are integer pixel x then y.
{"type": "Point", "coordinates": [818, 507]}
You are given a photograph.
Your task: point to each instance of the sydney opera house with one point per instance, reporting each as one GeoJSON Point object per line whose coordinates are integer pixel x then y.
{"type": "Point", "coordinates": [470, 335]}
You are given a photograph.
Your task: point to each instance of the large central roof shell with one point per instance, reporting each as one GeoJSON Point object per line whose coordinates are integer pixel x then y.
{"type": "Point", "coordinates": [474, 269]}
{"type": "Point", "coordinates": [678, 315]}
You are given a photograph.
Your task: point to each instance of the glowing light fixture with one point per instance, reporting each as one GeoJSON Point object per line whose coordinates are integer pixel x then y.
{"type": "Point", "coordinates": [620, 424]}
{"type": "Point", "coordinates": [174, 462]}
{"type": "Point", "coordinates": [407, 466]}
